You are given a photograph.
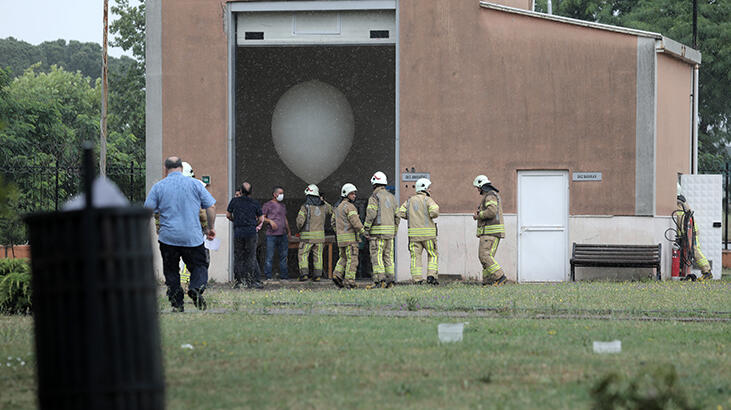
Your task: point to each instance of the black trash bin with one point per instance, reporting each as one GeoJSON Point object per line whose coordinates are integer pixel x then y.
{"type": "Point", "coordinates": [95, 309]}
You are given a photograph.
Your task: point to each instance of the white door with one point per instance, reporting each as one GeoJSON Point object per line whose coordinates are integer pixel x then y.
{"type": "Point", "coordinates": [543, 210]}
{"type": "Point", "coordinates": [704, 194]}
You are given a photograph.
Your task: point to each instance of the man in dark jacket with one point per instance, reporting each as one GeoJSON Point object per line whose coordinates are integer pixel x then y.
{"type": "Point", "coordinates": [246, 214]}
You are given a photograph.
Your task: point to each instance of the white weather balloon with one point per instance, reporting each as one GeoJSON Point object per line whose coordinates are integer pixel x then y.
{"type": "Point", "coordinates": [312, 129]}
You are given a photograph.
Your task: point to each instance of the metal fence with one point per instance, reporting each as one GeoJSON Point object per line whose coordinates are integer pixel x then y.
{"type": "Point", "coordinates": [46, 187]}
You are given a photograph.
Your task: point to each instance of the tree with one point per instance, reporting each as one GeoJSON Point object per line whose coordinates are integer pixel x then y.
{"type": "Point", "coordinates": [72, 56]}
{"type": "Point", "coordinates": [129, 29]}
{"type": "Point", "coordinates": [127, 80]}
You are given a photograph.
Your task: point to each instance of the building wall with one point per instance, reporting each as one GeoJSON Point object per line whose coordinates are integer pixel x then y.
{"type": "Point", "coordinates": [481, 91]}
{"type": "Point", "coordinates": [518, 4]}
{"type": "Point", "coordinates": [484, 91]}
{"type": "Point", "coordinates": [194, 93]}
{"type": "Point", "coordinates": [674, 89]}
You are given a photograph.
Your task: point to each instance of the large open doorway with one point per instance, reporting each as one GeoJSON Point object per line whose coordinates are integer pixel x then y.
{"type": "Point", "coordinates": [313, 113]}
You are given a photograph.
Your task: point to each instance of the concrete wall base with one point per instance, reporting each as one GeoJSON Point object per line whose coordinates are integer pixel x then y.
{"type": "Point", "coordinates": [458, 244]}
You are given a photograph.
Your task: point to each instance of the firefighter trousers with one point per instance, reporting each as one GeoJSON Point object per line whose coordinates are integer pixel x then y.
{"type": "Point", "coordinates": [347, 262]}
{"type": "Point", "coordinates": [382, 259]}
{"type": "Point", "coordinates": [491, 270]}
{"type": "Point", "coordinates": [700, 259]}
{"type": "Point", "coordinates": [432, 256]}
{"type": "Point", "coordinates": [303, 258]}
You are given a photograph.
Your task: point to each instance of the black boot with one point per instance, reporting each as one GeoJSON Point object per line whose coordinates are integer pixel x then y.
{"type": "Point", "coordinates": [176, 296]}
{"type": "Point", "coordinates": [338, 281]}
{"type": "Point", "coordinates": [198, 300]}
{"type": "Point", "coordinates": [500, 281]}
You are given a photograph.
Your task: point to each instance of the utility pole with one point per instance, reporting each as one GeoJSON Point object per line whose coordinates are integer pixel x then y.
{"type": "Point", "coordinates": [105, 95]}
{"type": "Point", "coordinates": [695, 24]}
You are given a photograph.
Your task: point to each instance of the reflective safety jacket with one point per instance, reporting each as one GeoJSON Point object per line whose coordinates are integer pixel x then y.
{"type": "Point", "coordinates": [347, 224]}
{"type": "Point", "coordinates": [679, 217]}
{"type": "Point", "coordinates": [311, 220]}
{"type": "Point", "coordinates": [381, 219]}
{"type": "Point", "coordinates": [420, 210]}
{"type": "Point", "coordinates": [490, 216]}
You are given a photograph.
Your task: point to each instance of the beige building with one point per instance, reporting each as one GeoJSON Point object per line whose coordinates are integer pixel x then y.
{"type": "Point", "coordinates": [583, 127]}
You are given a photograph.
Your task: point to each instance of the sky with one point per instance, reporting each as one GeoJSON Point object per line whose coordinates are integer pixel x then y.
{"type": "Point", "coordinates": [36, 21]}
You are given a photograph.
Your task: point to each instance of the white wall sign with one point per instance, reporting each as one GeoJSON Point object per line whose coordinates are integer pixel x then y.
{"type": "Point", "coordinates": [414, 176]}
{"type": "Point", "coordinates": [587, 176]}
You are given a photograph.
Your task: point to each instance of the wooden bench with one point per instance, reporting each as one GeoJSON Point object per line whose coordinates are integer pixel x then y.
{"type": "Point", "coordinates": [623, 256]}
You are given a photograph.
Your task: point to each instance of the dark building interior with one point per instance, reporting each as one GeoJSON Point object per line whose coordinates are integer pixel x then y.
{"type": "Point", "coordinates": [364, 74]}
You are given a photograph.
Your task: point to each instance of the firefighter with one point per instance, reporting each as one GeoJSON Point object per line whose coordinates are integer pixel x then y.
{"type": "Point", "coordinates": [683, 217]}
{"type": "Point", "coordinates": [311, 225]}
{"type": "Point", "coordinates": [490, 230]}
{"type": "Point", "coordinates": [420, 211]}
{"type": "Point", "coordinates": [381, 223]}
{"type": "Point", "coordinates": [347, 226]}
{"type": "Point", "coordinates": [185, 273]}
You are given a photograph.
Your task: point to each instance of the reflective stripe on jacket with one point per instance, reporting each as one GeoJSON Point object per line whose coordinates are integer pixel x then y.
{"type": "Point", "coordinates": [311, 222]}
{"type": "Point", "coordinates": [381, 219]}
{"type": "Point", "coordinates": [347, 223]}
{"type": "Point", "coordinates": [420, 210]}
{"type": "Point", "coordinates": [490, 216]}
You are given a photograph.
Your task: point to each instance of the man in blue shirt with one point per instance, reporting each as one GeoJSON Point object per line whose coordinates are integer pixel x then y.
{"type": "Point", "coordinates": [178, 200]}
{"type": "Point", "coordinates": [246, 214]}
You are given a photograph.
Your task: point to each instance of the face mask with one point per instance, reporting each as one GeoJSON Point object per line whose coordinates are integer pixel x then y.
{"type": "Point", "coordinates": [280, 197]}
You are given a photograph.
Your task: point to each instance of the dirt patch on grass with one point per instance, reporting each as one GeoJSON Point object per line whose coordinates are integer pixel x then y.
{"type": "Point", "coordinates": [427, 313]}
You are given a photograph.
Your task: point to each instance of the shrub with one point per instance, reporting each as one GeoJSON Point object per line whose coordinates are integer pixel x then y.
{"type": "Point", "coordinates": [8, 266]}
{"type": "Point", "coordinates": [652, 388]}
{"type": "Point", "coordinates": [15, 286]}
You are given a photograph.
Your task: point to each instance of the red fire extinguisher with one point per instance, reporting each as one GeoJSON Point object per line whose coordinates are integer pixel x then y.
{"type": "Point", "coordinates": [676, 263]}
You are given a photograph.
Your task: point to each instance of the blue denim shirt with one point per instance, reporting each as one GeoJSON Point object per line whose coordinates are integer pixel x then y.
{"type": "Point", "coordinates": [178, 199]}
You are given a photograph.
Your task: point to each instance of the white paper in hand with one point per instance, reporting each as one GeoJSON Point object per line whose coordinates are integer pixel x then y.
{"type": "Point", "coordinates": [212, 244]}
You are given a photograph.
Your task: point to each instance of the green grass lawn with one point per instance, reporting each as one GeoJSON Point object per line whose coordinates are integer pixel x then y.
{"type": "Point", "coordinates": [248, 354]}
{"type": "Point", "coordinates": [663, 299]}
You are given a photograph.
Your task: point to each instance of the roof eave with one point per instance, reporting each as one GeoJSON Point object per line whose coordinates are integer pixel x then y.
{"type": "Point", "coordinates": [664, 44]}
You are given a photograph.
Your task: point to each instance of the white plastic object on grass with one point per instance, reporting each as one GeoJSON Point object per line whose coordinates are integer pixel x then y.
{"type": "Point", "coordinates": [187, 346]}
{"type": "Point", "coordinates": [450, 332]}
{"type": "Point", "coordinates": [615, 346]}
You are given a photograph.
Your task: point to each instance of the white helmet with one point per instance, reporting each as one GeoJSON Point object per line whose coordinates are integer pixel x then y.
{"type": "Point", "coordinates": [480, 180]}
{"type": "Point", "coordinates": [188, 170]}
{"type": "Point", "coordinates": [422, 184]}
{"type": "Point", "coordinates": [347, 189]}
{"type": "Point", "coordinates": [379, 178]}
{"type": "Point", "coordinates": [312, 190]}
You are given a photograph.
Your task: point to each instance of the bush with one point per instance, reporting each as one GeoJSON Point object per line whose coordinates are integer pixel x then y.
{"type": "Point", "coordinates": [15, 286]}
{"type": "Point", "coordinates": [8, 266]}
{"type": "Point", "coordinates": [652, 388]}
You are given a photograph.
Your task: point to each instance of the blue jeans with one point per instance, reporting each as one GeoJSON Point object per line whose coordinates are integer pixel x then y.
{"type": "Point", "coordinates": [281, 244]}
